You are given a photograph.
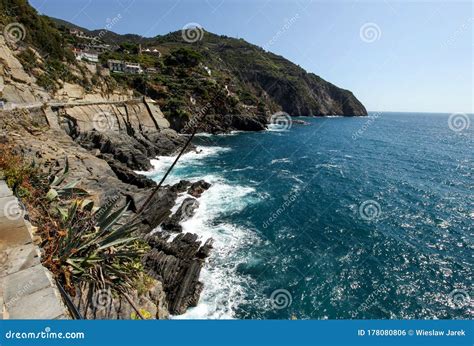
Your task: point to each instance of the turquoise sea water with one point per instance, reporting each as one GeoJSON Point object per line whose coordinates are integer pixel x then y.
{"type": "Point", "coordinates": [342, 218]}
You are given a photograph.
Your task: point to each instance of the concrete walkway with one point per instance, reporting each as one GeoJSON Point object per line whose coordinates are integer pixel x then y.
{"type": "Point", "coordinates": [27, 289]}
{"type": "Point", "coordinates": [8, 106]}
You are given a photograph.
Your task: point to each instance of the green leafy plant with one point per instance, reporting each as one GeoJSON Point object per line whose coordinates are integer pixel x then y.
{"type": "Point", "coordinates": [66, 191]}
{"type": "Point", "coordinates": [94, 246]}
{"type": "Point", "coordinates": [81, 243]}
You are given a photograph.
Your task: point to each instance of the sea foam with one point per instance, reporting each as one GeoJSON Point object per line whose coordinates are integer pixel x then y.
{"type": "Point", "coordinates": [223, 286]}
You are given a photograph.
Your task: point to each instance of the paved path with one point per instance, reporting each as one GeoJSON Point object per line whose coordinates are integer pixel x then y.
{"type": "Point", "coordinates": [10, 106]}
{"type": "Point", "coordinates": [27, 290]}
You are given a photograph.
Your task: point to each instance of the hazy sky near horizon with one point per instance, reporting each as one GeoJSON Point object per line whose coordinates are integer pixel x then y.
{"type": "Point", "coordinates": [393, 55]}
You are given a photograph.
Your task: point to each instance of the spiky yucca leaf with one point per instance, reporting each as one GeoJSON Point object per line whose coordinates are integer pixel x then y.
{"type": "Point", "coordinates": [97, 248]}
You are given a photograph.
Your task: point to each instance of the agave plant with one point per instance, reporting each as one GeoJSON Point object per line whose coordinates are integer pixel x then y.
{"type": "Point", "coordinates": [68, 190]}
{"type": "Point", "coordinates": [90, 244]}
{"type": "Point", "coordinates": [94, 246]}
{"type": "Point", "coordinates": [81, 243]}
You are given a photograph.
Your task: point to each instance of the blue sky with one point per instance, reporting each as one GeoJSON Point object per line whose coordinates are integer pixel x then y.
{"type": "Point", "coordinates": [418, 58]}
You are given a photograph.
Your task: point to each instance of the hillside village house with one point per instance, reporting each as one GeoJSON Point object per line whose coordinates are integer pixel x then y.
{"type": "Point", "coordinates": [86, 55]}
{"type": "Point", "coordinates": [153, 51]}
{"type": "Point", "coordinates": [81, 34]}
{"type": "Point", "coordinates": [124, 66]}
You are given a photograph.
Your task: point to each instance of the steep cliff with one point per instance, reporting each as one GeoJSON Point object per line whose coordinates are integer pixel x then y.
{"type": "Point", "coordinates": [238, 84]}
{"type": "Point", "coordinates": [105, 134]}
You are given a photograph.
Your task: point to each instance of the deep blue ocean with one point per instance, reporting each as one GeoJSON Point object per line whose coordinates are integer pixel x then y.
{"type": "Point", "coordinates": [342, 218]}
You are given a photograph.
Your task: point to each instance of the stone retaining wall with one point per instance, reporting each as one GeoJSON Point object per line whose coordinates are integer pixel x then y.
{"type": "Point", "coordinates": [27, 289]}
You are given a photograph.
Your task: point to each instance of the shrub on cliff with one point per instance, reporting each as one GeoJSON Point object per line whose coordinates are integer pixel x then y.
{"type": "Point", "coordinates": [183, 57]}
{"type": "Point", "coordinates": [80, 243]}
{"type": "Point", "coordinates": [41, 32]}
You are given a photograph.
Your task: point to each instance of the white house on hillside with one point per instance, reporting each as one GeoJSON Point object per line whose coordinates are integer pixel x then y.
{"type": "Point", "coordinates": [124, 66]}
{"type": "Point", "coordinates": [88, 56]}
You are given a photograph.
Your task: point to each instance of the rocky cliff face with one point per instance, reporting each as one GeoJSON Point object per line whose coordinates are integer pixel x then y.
{"type": "Point", "coordinates": [106, 137]}
{"type": "Point", "coordinates": [16, 85]}
{"type": "Point", "coordinates": [239, 85]}
{"type": "Point", "coordinates": [278, 82]}
{"type": "Point", "coordinates": [104, 162]}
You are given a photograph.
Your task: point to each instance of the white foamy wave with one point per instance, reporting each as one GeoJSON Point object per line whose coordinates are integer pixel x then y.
{"type": "Point", "coordinates": [223, 286]}
{"type": "Point", "coordinates": [206, 134]}
{"type": "Point", "coordinates": [284, 160]}
{"type": "Point", "coordinates": [192, 158]}
{"type": "Point", "coordinates": [276, 128]}
{"type": "Point", "coordinates": [327, 165]}
{"type": "Point", "coordinates": [231, 133]}
{"type": "Point", "coordinates": [242, 169]}
{"type": "Point", "coordinates": [224, 289]}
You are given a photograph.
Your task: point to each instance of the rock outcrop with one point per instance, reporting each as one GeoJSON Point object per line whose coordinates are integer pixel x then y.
{"type": "Point", "coordinates": [107, 173]}
{"type": "Point", "coordinates": [178, 265]}
{"type": "Point", "coordinates": [17, 86]}
{"type": "Point", "coordinates": [104, 304]}
{"type": "Point", "coordinates": [128, 131]}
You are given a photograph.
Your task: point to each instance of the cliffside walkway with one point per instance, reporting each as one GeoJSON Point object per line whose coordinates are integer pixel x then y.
{"type": "Point", "coordinates": [29, 105]}
{"type": "Point", "coordinates": [27, 289]}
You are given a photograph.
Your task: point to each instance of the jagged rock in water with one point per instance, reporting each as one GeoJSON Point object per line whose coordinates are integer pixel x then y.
{"type": "Point", "coordinates": [181, 186]}
{"type": "Point", "coordinates": [185, 211]}
{"type": "Point", "coordinates": [157, 210]}
{"type": "Point", "coordinates": [125, 174]}
{"type": "Point", "coordinates": [196, 189]}
{"type": "Point", "coordinates": [177, 264]}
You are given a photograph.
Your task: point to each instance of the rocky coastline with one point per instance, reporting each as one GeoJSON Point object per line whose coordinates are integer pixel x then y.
{"type": "Point", "coordinates": [105, 163]}
{"type": "Point", "coordinates": [107, 132]}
